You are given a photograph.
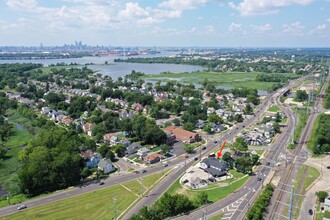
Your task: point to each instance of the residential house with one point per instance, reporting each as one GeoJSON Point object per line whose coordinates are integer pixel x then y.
{"type": "Point", "coordinates": [142, 152]}
{"type": "Point", "coordinates": [200, 124]}
{"type": "Point", "coordinates": [88, 128]}
{"type": "Point", "coordinates": [125, 142]}
{"type": "Point", "coordinates": [170, 138]}
{"type": "Point", "coordinates": [106, 137]}
{"type": "Point", "coordinates": [106, 165]}
{"type": "Point", "coordinates": [153, 158]}
{"type": "Point", "coordinates": [133, 148]}
{"type": "Point", "coordinates": [183, 135]}
{"type": "Point", "coordinates": [114, 140]}
{"type": "Point", "coordinates": [217, 128]}
{"type": "Point", "coordinates": [91, 159]}
{"type": "Point", "coordinates": [45, 110]}
{"type": "Point", "coordinates": [214, 166]}
{"type": "Point", "coordinates": [125, 114]}
{"type": "Point", "coordinates": [327, 204]}
{"type": "Point", "coordinates": [67, 120]}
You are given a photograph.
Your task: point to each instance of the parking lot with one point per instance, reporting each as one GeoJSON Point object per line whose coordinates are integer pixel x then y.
{"type": "Point", "coordinates": [198, 178]}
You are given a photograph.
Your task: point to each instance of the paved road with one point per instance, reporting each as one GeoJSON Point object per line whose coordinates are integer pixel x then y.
{"type": "Point", "coordinates": [289, 174]}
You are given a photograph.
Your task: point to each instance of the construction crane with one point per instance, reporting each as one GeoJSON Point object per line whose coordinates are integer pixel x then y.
{"type": "Point", "coordinates": [219, 153]}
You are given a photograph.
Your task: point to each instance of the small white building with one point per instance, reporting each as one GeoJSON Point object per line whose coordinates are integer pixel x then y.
{"type": "Point", "coordinates": [106, 165]}
{"type": "Point", "coordinates": [327, 204]}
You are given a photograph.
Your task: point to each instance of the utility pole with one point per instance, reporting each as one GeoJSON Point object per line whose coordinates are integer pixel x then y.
{"type": "Point", "coordinates": [294, 127]}
{"type": "Point", "coordinates": [291, 204]}
{"type": "Point", "coordinates": [115, 203]}
{"type": "Point", "coordinates": [309, 100]}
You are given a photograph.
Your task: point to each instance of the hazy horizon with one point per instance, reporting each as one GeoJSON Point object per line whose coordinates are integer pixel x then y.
{"type": "Point", "coordinates": [167, 23]}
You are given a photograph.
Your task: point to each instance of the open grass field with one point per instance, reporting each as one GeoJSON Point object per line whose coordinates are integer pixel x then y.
{"type": "Point", "coordinates": [274, 108]}
{"type": "Point", "coordinates": [302, 120]}
{"type": "Point", "coordinates": [311, 175]}
{"type": "Point", "coordinates": [231, 79]}
{"type": "Point", "coordinates": [92, 205]}
{"type": "Point", "coordinates": [312, 139]}
{"type": "Point", "coordinates": [47, 69]}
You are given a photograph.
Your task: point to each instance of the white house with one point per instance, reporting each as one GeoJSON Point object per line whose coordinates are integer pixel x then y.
{"type": "Point", "coordinates": [327, 204]}
{"type": "Point", "coordinates": [106, 165]}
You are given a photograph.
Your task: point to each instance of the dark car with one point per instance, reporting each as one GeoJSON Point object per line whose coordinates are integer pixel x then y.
{"type": "Point", "coordinates": [268, 163]}
{"type": "Point", "coordinates": [185, 181]}
{"type": "Point", "coordinates": [259, 179]}
{"type": "Point", "coordinates": [310, 212]}
{"type": "Point", "coordinates": [144, 171]}
{"type": "Point", "coordinates": [328, 167]}
{"type": "Point", "coordinates": [203, 148]}
{"type": "Point", "coordinates": [215, 142]}
{"type": "Point", "coordinates": [196, 158]}
{"type": "Point", "coordinates": [101, 183]}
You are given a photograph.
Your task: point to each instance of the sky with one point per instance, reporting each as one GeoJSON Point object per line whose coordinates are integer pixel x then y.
{"type": "Point", "coordinates": [188, 23]}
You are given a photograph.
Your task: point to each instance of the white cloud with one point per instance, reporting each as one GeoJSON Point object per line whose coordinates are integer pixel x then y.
{"type": "Point", "coordinates": [294, 28]}
{"type": "Point", "coordinates": [263, 7]}
{"type": "Point", "coordinates": [209, 30]}
{"type": "Point", "coordinates": [319, 28]}
{"type": "Point", "coordinates": [235, 27]}
{"type": "Point", "coordinates": [183, 4]}
{"type": "Point", "coordinates": [22, 4]}
{"type": "Point", "coordinates": [328, 20]}
{"type": "Point", "coordinates": [132, 10]}
{"type": "Point", "coordinates": [262, 28]}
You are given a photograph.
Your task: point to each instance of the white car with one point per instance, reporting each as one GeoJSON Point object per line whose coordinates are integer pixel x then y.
{"type": "Point", "coordinates": [21, 207]}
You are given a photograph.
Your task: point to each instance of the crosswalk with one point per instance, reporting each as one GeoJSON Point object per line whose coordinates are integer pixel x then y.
{"type": "Point", "coordinates": [229, 210]}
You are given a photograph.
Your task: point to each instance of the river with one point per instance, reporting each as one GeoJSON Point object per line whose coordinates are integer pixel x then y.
{"type": "Point", "coordinates": [121, 69]}
{"type": "Point", "coordinates": [115, 69]}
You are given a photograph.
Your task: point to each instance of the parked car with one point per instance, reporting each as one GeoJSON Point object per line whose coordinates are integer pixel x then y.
{"type": "Point", "coordinates": [328, 167]}
{"type": "Point", "coordinates": [144, 171]}
{"type": "Point", "coordinates": [185, 181]}
{"type": "Point", "coordinates": [310, 211]}
{"type": "Point", "coordinates": [203, 148]}
{"type": "Point", "coordinates": [196, 158]}
{"type": "Point", "coordinates": [215, 142]}
{"type": "Point", "coordinates": [259, 179]}
{"type": "Point", "coordinates": [21, 207]}
{"type": "Point", "coordinates": [212, 180]}
{"type": "Point", "coordinates": [268, 163]}
{"type": "Point", "coordinates": [101, 183]}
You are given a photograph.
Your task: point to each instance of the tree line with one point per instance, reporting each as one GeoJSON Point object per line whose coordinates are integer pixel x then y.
{"type": "Point", "coordinates": [256, 212]}
{"type": "Point", "coordinates": [321, 135]}
{"type": "Point", "coordinates": [171, 205]}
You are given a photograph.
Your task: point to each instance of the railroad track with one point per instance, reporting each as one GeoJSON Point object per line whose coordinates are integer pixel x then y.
{"type": "Point", "coordinates": [284, 186]}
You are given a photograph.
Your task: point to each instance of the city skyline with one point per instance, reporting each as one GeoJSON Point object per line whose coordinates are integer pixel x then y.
{"type": "Point", "coordinates": [199, 23]}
